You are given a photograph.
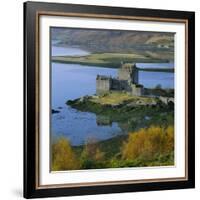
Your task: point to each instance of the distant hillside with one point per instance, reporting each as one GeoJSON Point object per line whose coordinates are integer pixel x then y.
{"type": "Point", "coordinates": [153, 44]}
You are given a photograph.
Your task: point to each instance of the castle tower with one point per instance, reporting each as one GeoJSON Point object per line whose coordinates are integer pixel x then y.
{"type": "Point", "coordinates": [128, 72]}
{"type": "Point", "coordinates": [103, 84]}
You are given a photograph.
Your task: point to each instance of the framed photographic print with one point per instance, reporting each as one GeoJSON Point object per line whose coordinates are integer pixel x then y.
{"type": "Point", "coordinates": [108, 99]}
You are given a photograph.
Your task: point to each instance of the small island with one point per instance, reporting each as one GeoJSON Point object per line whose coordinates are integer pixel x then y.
{"type": "Point", "coordinates": [125, 90]}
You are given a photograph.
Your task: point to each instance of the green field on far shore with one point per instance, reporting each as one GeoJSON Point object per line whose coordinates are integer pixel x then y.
{"type": "Point", "coordinates": [112, 60]}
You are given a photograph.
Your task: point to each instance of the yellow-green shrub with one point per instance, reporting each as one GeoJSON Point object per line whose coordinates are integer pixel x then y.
{"type": "Point", "coordinates": [63, 157]}
{"type": "Point", "coordinates": [92, 151]}
{"type": "Point", "coordinates": [91, 156]}
{"type": "Point", "coordinates": [148, 143]}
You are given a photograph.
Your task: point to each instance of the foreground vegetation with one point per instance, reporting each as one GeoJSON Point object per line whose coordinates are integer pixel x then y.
{"type": "Point", "coordinates": [112, 60]}
{"type": "Point", "coordinates": [153, 146]}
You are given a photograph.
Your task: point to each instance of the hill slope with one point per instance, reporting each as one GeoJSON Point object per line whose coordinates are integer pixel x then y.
{"type": "Point", "coordinates": [153, 44]}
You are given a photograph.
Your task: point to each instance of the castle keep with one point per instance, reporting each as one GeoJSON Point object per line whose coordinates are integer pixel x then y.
{"type": "Point", "coordinates": [127, 80]}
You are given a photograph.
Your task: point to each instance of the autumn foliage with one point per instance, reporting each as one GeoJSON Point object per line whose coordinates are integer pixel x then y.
{"type": "Point", "coordinates": [92, 156]}
{"type": "Point", "coordinates": [146, 144]}
{"type": "Point", "coordinates": [153, 146]}
{"type": "Point", "coordinates": [63, 157]}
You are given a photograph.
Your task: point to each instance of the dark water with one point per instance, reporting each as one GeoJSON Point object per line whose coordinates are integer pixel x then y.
{"type": "Point", "coordinates": [71, 81]}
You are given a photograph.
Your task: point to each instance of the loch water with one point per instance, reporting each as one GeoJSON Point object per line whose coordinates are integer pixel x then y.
{"type": "Point", "coordinates": [71, 81]}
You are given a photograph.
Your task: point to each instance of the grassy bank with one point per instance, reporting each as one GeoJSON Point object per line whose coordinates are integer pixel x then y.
{"type": "Point", "coordinates": [153, 146]}
{"type": "Point", "coordinates": [112, 60]}
{"type": "Point", "coordinates": [168, 70]}
{"type": "Point", "coordinates": [118, 98]}
{"type": "Point", "coordinates": [130, 112]}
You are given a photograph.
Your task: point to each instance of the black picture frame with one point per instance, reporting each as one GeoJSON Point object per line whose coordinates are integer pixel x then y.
{"type": "Point", "coordinates": [32, 10]}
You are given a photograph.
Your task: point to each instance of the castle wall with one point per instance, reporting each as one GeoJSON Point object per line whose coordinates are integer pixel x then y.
{"type": "Point", "coordinates": [123, 74]}
{"type": "Point", "coordinates": [103, 84]}
{"type": "Point", "coordinates": [127, 81]}
{"type": "Point", "coordinates": [125, 85]}
{"type": "Point", "coordinates": [121, 85]}
{"type": "Point", "coordinates": [135, 76]}
{"type": "Point", "coordinates": [115, 84]}
{"type": "Point", "coordinates": [128, 72]}
{"type": "Point", "coordinates": [137, 90]}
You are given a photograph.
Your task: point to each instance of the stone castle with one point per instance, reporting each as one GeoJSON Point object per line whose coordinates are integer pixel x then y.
{"type": "Point", "coordinates": [127, 80]}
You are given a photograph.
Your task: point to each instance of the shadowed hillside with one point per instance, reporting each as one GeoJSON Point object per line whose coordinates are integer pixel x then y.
{"type": "Point", "coordinates": [150, 44]}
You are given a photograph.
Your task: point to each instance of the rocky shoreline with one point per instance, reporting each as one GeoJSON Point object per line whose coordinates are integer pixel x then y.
{"type": "Point", "coordinates": [131, 113]}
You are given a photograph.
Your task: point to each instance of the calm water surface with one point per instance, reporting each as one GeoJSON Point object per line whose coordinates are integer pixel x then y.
{"type": "Point", "coordinates": [71, 81]}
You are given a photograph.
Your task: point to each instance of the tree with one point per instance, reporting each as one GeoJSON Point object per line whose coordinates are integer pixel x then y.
{"type": "Point", "coordinates": [148, 143]}
{"type": "Point", "coordinates": [63, 157]}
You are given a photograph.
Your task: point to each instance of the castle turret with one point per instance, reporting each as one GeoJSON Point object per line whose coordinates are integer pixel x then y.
{"type": "Point", "coordinates": [128, 72]}
{"type": "Point", "coordinates": [103, 84]}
